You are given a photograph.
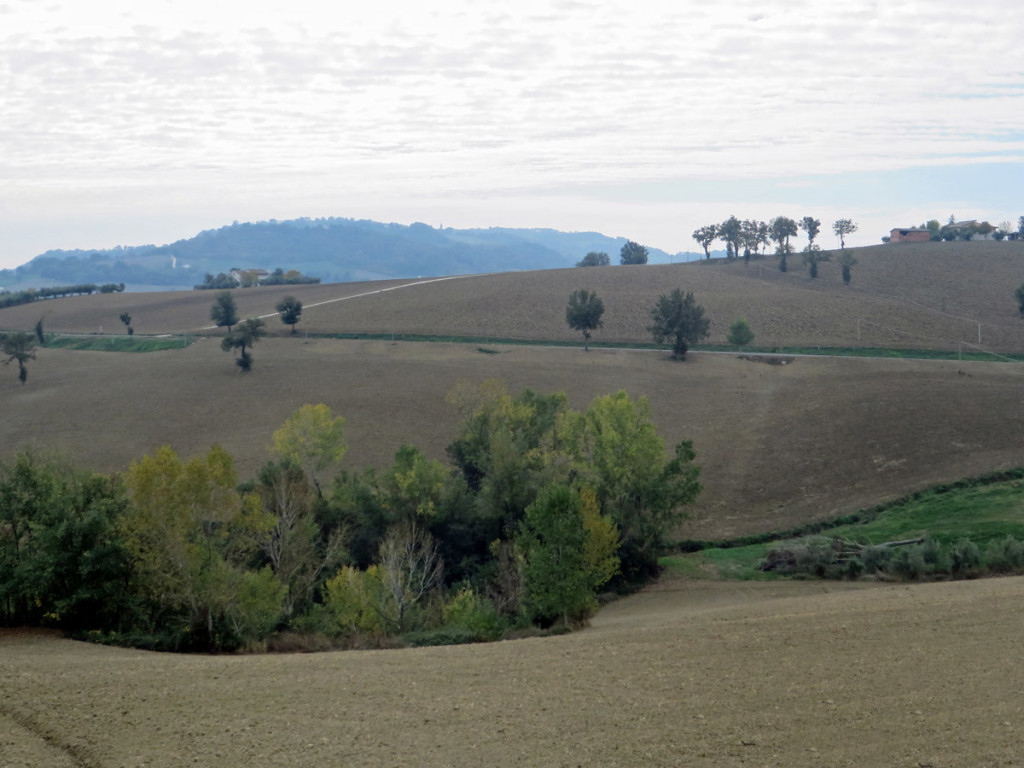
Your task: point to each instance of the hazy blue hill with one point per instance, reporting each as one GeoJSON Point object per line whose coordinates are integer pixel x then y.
{"type": "Point", "coordinates": [334, 249]}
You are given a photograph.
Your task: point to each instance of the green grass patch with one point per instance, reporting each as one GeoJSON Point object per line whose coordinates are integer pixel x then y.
{"type": "Point", "coordinates": [119, 343]}
{"type": "Point", "coordinates": [983, 510]}
{"type": "Point", "coordinates": [883, 352]}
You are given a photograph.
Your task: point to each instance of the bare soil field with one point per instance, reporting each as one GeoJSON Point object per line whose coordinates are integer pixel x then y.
{"type": "Point", "coordinates": [779, 444]}
{"type": "Point", "coordinates": [686, 673]}
{"type": "Point", "coordinates": [914, 295]}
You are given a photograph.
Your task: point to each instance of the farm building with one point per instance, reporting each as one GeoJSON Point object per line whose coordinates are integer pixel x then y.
{"type": "Point", "coordinates": [910, 235]}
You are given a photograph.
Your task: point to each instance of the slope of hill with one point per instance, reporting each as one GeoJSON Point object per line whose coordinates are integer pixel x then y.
{"type": "Point", "coordinates": [780, 445]}
{"type": "Point", "coordinates": [697, 674]}
{"type": "Point", "coordinates": [334, 249]}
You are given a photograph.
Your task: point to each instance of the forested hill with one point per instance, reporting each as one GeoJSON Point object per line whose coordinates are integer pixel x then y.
{"type": "Point", "coordinates": [334, 249]}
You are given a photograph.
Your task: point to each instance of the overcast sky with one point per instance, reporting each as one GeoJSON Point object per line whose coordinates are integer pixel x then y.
{"type": "Point", "coordinates": [131, 122]}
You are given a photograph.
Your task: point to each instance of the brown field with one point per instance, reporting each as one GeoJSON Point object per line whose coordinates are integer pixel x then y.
{"type": "Point", "coordinates": [910, 295]}
{"type": "Point", "coordinates": [780, 445]}
{"type": "Point", "coordinates": [697, 674]}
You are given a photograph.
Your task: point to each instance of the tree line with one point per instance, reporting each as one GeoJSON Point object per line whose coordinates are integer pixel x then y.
{"type": "Point", "coordinates": [541, 507]}
{"type": "Point", "coordinates": [16, 298]}
{"type": "Point", "coordinates": [249, 278]}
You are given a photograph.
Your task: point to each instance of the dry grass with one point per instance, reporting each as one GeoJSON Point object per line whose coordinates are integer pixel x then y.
{"type": "Point", "coordinates": [697, 674]}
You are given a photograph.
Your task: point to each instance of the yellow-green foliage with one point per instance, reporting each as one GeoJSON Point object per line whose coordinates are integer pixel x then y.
{"type": "Point", "coordinates": [312, 438]}
{"type": "Point", "coordinates": [414, 485]}
{"type": "Point", "coordinates": [352, 597]}
{"type": "Point", "coordinates": [601, 540]}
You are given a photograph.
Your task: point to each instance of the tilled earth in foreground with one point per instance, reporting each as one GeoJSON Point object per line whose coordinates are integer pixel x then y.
{"type": "Point", "coordinates": [685, 673]}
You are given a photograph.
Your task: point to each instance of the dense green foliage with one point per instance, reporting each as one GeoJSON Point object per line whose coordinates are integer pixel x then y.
{"type": "Point", "coordinates": [543, 507]}
{"type": "Point", "coordinates": [680, 318]}
{"type": "Point", "coordinates": [290, 309]}
{"type": "Point", "coordinates": [245, 335]}
{"type": "Point", "coordinates": [633, 253]}
{"type": "Point", "coordinates": [224, 311]}
{"type": "Point", "coordinates": [740, 334]}
{"type": "Point", "coordinates": [594, 259]}
{"type": "Point", "coordinates": [584, 312]}
{"type": "Point", "coordinates": [16, 298]}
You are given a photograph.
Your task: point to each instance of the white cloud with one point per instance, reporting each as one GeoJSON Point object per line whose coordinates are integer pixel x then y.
{"type": "Point", "coordinates": [457, 100]}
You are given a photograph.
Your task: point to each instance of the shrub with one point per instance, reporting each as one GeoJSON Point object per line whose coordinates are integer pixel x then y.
{"type": "Point", "coordinates": [966, 558]}
{"type": "Point", "coordinates": [468, 610]}
{"type": "Point", "coordinates": [909, 562]}
{"type": "Point", "coordinates": [876, 559]}
{"type": "Point", "coordinates": [1005, 555]}
{"type": "Point", "coordinates": [351, 595]}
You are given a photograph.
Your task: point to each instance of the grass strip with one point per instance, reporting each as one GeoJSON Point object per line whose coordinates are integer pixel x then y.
{"type": "Point", "coordinates": [882, 352]}
{"type": "Point", "coordinates": [982, 509]}
{"type": "Point", "coordinates": [118, 343]}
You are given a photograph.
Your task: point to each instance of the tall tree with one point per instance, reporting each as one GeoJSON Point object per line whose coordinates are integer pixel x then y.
{"type": "Point", "coordinates": [312, 438]}
{"type": "Point", "coordinates": [290, 310]}
{"type": "Point", "coordinates": [813, 256]}
{"type": "Point", "coordinates": [678, 317]}
{"type": "Point", "coordinates": [243, 338]}
{"type": "Point", "coordinates": [844, 227]}
{"type": "Point", "coordinates": [552, 539]}
{"type": "Point", "coordinates": [730, 232]}
{"type": "Point", "coordinates": [584, 313]}
{"type": "Point", "coordinates": [706, 235]}
{"type": "Point", "coordinates": [780, 230]}
{"type": "Point", "coordinates": [594, 259]}
{"type": "Point", "coordinates": [18, 347]}
{"type": "Point", "coordinates": [633, 253]}
{"type": "Point", "coordinates": [224, 311]}
{"type": "Point", "coordinates": [127, 320]}
{"type": "Point", "coordinates": [812, 227]}
{"type": "Point", "coordinates": [410, 568]}
{"type": "Point", "coordinates": [1019, 293]}
{"type": "Point", "coordinates": [749, 239]}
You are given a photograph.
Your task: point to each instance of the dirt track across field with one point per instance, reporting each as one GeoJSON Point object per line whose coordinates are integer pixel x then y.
{"type": "Point", "coordinates": [685, 673]}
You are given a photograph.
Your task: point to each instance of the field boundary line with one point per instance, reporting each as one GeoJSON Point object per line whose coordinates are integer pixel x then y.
{"type": "Point", "coordinates": [361, 295]}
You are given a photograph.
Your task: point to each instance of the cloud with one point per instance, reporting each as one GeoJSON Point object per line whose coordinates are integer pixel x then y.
{"type": "Point", "coordinates": [454, 96]}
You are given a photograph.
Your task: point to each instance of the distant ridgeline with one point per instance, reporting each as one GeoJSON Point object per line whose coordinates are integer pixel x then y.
{"type": "Point", "coordinates": [335, 249]}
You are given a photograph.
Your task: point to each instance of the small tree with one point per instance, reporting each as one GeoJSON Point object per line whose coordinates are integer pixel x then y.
{"type": "Point", "coordinates": [739, 333]}
{"type": "Point", "coordinates": [18, 347]}
{"type": "Point", "coordinates": [706, 235]}
{"type": "Point", "coordinates": [594, 259]}
{"type": "Point", "coordinates": [242, 339]}
{"type": "Point", "coordinates": [633, 253]}
{"type": "Point", "coordinates": [127, 320]}
{"type": "Point", "coordinates": [290, 310]}
{"type": "Point", "coordinates": [813, 256]}
{"type": "Point", "coordinates": [224, 311]}
{"type": "Point", "coordinates": [40, 337]}
{"type": "Point", "coordinates": [410, 568]}
{"type": "Point", "coordinates": [842, 228]}
{"type": "Point", "coordinates": [584, 313]}
{"type": "Point", "coordinates": [678, 317]}
{"type": "Point", "coordinates": [846, 261]}
{"type": "Point", "coordinates": [1019, 293]}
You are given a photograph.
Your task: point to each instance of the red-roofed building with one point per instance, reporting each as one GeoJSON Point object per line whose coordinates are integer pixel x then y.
{"type": "Point", "coordinates": [910, 235]}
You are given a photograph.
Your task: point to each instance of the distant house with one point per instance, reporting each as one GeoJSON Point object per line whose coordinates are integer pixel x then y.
{"type": "Point", "coordinates": [970, 230]}
{"type": "Point", "coordinates": [910, 235]}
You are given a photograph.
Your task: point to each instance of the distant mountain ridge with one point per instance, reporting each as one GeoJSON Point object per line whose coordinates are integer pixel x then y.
{"type": "Point", "coordinates": [334, 249]}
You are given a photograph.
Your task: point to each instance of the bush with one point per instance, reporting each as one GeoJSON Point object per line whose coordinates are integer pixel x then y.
{"type": "Point", "coordinates": [1004, 556]}
{"type": "Point", "coordinates": [469, 611]}
{"type": "Point", "coordinates": [876, 559]}
{"type": "Point", "coordinates": [966, 557]}
{"type": "Point", "coordinates": [909, 562]}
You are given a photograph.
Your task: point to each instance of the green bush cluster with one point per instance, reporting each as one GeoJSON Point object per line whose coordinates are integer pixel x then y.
{"type": "Point", "coordinates": [831, 559]}
{"type": "Point", "coordinates": [541, 507]}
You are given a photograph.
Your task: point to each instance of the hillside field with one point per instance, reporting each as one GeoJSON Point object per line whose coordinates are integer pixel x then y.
{"type": "Point", "coordinates": [779, 444]}
{"type": "Point", "coordinates": [686, 673]}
